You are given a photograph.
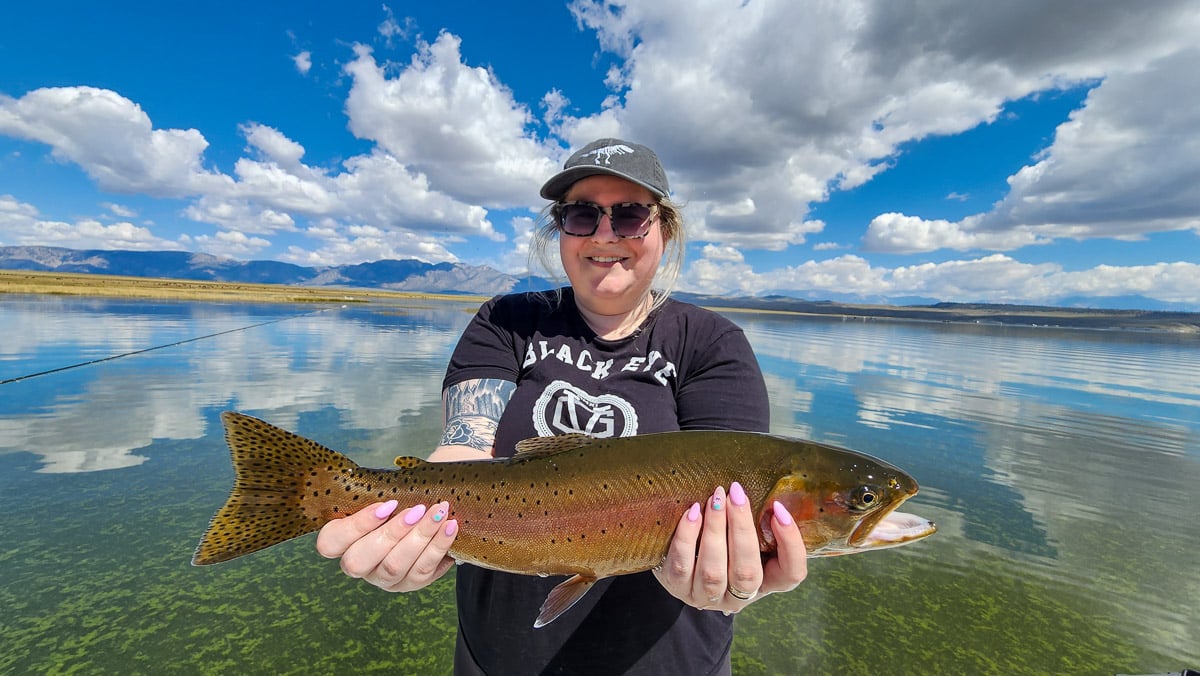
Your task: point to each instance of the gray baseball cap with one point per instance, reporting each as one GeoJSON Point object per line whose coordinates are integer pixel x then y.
{"type": "Point", "coordinates": [613, 157]}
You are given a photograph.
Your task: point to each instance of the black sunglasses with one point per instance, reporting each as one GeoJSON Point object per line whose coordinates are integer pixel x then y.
{"type": "Point", "coordinates": [629, 220]}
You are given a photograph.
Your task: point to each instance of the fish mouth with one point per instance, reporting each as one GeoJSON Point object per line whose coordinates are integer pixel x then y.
{"type": "Point", "coordinates": [890, 529]}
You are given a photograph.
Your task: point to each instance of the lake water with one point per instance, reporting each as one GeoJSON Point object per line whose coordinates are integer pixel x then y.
{"type": "Point", "coordinates": [1061, 466]}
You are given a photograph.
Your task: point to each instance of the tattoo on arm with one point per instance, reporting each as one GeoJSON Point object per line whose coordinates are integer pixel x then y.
{"type": "Point", "coordinates": [472, 412]}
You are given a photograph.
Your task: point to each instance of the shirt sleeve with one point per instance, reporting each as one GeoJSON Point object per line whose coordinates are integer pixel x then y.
{"type": "Point", "coordinates": [486, 348]}
{"type": "Point", "coordinates": [724, 389]}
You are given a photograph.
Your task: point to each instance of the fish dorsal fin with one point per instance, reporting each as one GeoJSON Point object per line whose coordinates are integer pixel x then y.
{"type": "Point", "coordinates": [539, 446]}
{"type": "Point", "coordinates": [562, 597]}
{"type": "Point", "coordinates": [407, 462]}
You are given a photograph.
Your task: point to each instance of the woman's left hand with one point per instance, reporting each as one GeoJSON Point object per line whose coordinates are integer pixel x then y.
{"type": "Point", "coordinates": [714, 563]}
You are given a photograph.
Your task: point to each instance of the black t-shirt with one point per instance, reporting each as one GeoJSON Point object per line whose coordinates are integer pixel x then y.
{"type": "Point", "coordinates": [685, 368]}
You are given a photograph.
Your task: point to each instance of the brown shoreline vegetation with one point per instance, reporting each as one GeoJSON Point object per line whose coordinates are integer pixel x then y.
{"type": "Point", "coordinates": [114, 286]}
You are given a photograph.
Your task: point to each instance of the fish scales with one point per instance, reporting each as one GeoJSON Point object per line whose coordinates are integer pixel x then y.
{"type": "Point", "coordinates": [567, 505]}
{"type": "Point", "coordinates": [547, 514]}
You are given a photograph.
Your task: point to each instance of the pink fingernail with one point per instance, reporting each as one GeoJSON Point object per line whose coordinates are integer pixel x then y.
{"type": "Point", "coordinates": [385, 510]}
{"type": "Point", "coordinates": [693, 514]}
{"type": "Point", "coordinates": [414, 515]}
{"type": "Point", "coordinates": [737, 495]}
{"type": "Point", "coordinates": [718, 498]}
{"type": "Point", "coordinates": [440, 513]}
{"type": "Point", "coordinates": [451, 527]}
{"type": "Point", "coordinates": [781, 514]}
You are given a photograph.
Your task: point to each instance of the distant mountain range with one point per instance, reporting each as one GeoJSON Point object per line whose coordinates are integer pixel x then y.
{"type": "Point", "coordinates": [394, 275]}
{"type": "Point", "coordinates": [450, 278]}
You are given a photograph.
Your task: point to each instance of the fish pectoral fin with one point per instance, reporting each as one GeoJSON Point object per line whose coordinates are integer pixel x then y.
{"type": "Point", "coordinates": [562, 597]}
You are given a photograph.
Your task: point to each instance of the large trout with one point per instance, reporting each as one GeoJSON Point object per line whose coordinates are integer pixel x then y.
{"type": "Point", "coordinates": [566, 505]}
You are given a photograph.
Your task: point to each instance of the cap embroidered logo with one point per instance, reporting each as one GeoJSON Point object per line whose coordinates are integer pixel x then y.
{"type": "Point", "coordinates": [607, 152]}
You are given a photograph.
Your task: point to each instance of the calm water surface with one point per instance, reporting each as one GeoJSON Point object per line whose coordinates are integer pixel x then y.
{"type": "Point", "coordinates": [1061, 467]}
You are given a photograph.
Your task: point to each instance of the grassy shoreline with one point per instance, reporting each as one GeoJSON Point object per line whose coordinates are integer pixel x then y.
{"type": "Point", "coordinates": [115, 286]}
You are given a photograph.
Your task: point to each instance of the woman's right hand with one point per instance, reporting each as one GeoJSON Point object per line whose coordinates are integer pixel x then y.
{"type": "Point", "coordinates": [397, 553]}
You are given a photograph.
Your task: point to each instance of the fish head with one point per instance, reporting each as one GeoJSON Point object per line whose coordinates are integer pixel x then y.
{"type": "Point", "coordinates": [845, 502]}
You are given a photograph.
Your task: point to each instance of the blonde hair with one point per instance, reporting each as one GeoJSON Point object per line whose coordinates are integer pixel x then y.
{"type": "Point", "coordinates": [670, 220]}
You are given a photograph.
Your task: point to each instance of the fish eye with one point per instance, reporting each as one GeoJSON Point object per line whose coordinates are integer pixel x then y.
{"type": "Point", "coordinates": [865, 498]}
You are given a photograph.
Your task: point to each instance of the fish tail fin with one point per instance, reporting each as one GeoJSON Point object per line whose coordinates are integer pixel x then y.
{"type": "Point", "coordinates": [282, 489]}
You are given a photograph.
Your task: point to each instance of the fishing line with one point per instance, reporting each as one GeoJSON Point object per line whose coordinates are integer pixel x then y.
{"type": "Point", "coordinates": [156, 347]}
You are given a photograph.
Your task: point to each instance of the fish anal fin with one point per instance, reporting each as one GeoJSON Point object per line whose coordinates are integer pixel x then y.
{"type": "Point", "coordinates": [539, 446]}
{"type": "Point", "coordinates": [562, 597]}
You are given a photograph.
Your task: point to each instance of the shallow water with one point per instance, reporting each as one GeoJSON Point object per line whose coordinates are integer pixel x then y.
{"type": "Point", "coordinates": [1061, 468]}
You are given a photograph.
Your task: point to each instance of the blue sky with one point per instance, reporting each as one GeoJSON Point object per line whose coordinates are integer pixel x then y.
{"type": "Point", "coordinates": [879, 151]}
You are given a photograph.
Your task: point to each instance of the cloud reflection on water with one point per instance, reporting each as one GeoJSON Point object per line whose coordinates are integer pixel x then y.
{"type": "Point", "coordinates": [371, 366]}
{"type": "Point", "coordinates": [1076, 453]}
{"type": "Point", "coordinates": [1062, 457]}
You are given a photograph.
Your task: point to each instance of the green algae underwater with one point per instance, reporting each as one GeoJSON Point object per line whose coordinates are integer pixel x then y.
{"type": "Point", "coordinates": [1059, 466]}
{"type": "Point", "coordinates": [98, 580]}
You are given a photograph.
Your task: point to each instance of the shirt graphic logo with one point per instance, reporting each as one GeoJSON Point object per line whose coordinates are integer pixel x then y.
{"type": "Point", "coordinates": [565, 409]}
{"type": "Point", "coordinates": [607, 152]}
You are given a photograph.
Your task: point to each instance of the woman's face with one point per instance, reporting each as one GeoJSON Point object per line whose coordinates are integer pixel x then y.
{"type": "Point", "coordinates": [609, 274]}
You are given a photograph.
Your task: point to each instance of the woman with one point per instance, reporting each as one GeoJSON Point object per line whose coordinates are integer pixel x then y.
{"type": "Point", "coordinates": [608, 357]}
